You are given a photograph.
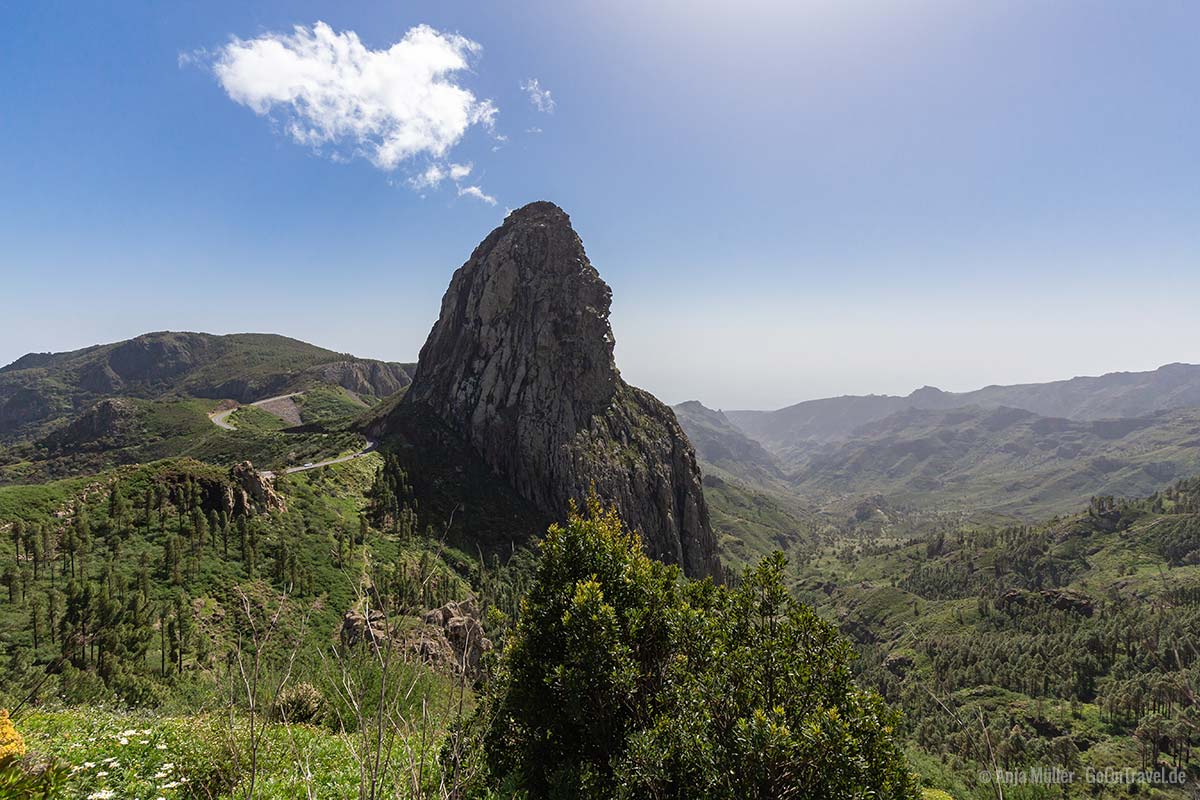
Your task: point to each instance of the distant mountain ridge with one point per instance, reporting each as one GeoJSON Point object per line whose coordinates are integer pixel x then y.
{"type": "Point", "coordinates": [721, 445]}
{"type": "Point", "coordinates": [40, 388]}
{"type": "Point", "coordinates": [1003, 459]}
{"type": "Point", "coordinates": [1111, 396]}
{"type": "Point", "coordinates": [1028, 450]}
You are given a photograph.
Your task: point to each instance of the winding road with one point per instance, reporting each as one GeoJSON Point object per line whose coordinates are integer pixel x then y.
{"type": "Point", "coordinates": [221, 420]}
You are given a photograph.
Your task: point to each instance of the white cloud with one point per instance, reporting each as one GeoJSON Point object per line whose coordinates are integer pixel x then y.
{"type": "Point", "coordinates": [437, 172]}
{"type": "Point", "coordinates": [185, 59]}
{"type": "Point", "coordinates": [477, 193]}
{"type": "Point", "coordinates": [385, 105]}
{"type": "Point", "coordinates": [432, 176]}
{"type": "Point", "coordinates": [534, 129]}
{"type": "Point", "coordinates": [541, 98]}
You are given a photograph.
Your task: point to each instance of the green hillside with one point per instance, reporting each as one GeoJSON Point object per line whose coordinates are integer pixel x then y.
{"type": "Point", "coordinates": [751, 524]}
{"type": "Point", "coordinates": [41, 390]}
{"type": "Point", "coordinates": [1074, 642]}
{"type": "Point", "coordinates": [120, 431]}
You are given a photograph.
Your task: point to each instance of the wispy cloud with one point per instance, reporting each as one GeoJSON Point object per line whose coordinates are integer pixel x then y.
{"type": "Point", "coordinates": [332, 92]}
{"type": "Point", "coordinates": [436, 172]}
{"type": "Point", "coordinates": [541, 98]}
{"type": "Point", "coordinates": [477, 193]}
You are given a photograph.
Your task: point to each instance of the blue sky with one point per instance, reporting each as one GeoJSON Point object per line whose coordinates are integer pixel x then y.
{"type": "Point", "coordinates": [790, 200]}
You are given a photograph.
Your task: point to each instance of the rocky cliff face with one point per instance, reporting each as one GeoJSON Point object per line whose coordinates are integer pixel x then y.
{"type": "Point", "coordinates": [111, 419]}
{"type": "Point", "coordinates": [375, 378]}
{"type": "Point", "coordinates": [520, 365]}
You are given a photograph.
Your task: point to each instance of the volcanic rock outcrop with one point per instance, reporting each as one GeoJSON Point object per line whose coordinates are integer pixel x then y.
{"type": "Point", "coordinates": [250, 491]}
{"type": "Point", "coordinates": [520, 365]}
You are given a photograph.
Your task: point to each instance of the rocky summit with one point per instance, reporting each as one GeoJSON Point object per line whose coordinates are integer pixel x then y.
{"type": "Point", "coordinates": [520, 365]}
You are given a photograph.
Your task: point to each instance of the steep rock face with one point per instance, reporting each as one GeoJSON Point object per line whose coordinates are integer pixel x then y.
{"type": "Point", "coordinates": [251, 491]}
{"type": "Point", "coordinates": [22, 406]}
{"type": "Point", "coordinates": [376, 378]}
{"type": "Point", "coordinates": [520, 364]}
{"type": "Point", "coordinates": [110, 419]}
{"type": "Point", "coordinates": [158, 357]}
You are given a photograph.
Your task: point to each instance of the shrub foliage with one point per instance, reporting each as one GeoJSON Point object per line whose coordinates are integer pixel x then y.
{"type": "Point", "coordinates": [622, 679]}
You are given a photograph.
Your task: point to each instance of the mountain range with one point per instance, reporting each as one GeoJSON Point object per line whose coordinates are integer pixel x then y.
{"type": "Point", "coordinates": [1115, 395]}
{"type": "Point", "coordinates": [1027, 450]}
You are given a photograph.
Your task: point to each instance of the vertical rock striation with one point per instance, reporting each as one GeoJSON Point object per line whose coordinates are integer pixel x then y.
{"type": "Point", "coordinates": [520, 365]}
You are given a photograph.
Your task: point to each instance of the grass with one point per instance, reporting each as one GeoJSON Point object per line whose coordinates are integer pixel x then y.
{"type": "Point", "coordinates": [252, 419]}
{"type": "Point", "coordinates": [328, 403]}
{"type": "Point", "coordinates": [115, 754]}
{"type": "Point", "coordinates": [39, 501]}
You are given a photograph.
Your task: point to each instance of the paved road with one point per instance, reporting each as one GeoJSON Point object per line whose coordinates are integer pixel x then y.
{"type": "Point", "coordinates": [339, 460]}
{"type": "Point", "coordinates": [221, 420]}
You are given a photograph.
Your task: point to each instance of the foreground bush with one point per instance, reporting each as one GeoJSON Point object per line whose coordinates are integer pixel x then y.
{"type": "Point", "coordinates": [23, 777]}
{"type": "Point", "coordinates": [623, 680]}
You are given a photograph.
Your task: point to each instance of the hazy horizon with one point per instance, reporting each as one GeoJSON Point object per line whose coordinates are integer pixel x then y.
{"type": "Point", "coordinates": [788, 202]}
{"type": "Point", "coordinates": [898, 390]}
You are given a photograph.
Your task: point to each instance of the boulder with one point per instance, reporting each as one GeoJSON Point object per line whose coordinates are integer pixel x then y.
{"type": "Point", "coordinates": [359, 627]}
{"type": "Point", "coordinates": [459, 626]}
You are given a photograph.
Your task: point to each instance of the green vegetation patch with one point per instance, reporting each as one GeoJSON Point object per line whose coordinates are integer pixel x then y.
{"type": "Point", "coordinates": [328, 403]}
{"type": "Point", "coordinates": [112, 754]}
{"type": "Point", "coordinates": [252, 419]}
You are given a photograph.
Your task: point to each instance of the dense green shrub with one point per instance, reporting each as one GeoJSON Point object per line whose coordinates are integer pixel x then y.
{"type": "Point", "coordinates": [624, 680]}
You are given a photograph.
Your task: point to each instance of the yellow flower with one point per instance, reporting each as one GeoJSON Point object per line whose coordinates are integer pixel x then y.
{"type": "Point", "coordinates": [935, 794]}
{"type": "Point", "coordinates": [11, 743]}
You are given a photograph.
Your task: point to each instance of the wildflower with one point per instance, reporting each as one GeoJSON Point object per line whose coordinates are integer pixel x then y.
{"type": "Point", "coordinates": [102, 774]}
{"type": "Point", "coordinates": [103, 794]}
{"type": "Point", "coordinates": [11, 743]}
{"type": "Point", "coordinates": [160, 746]}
